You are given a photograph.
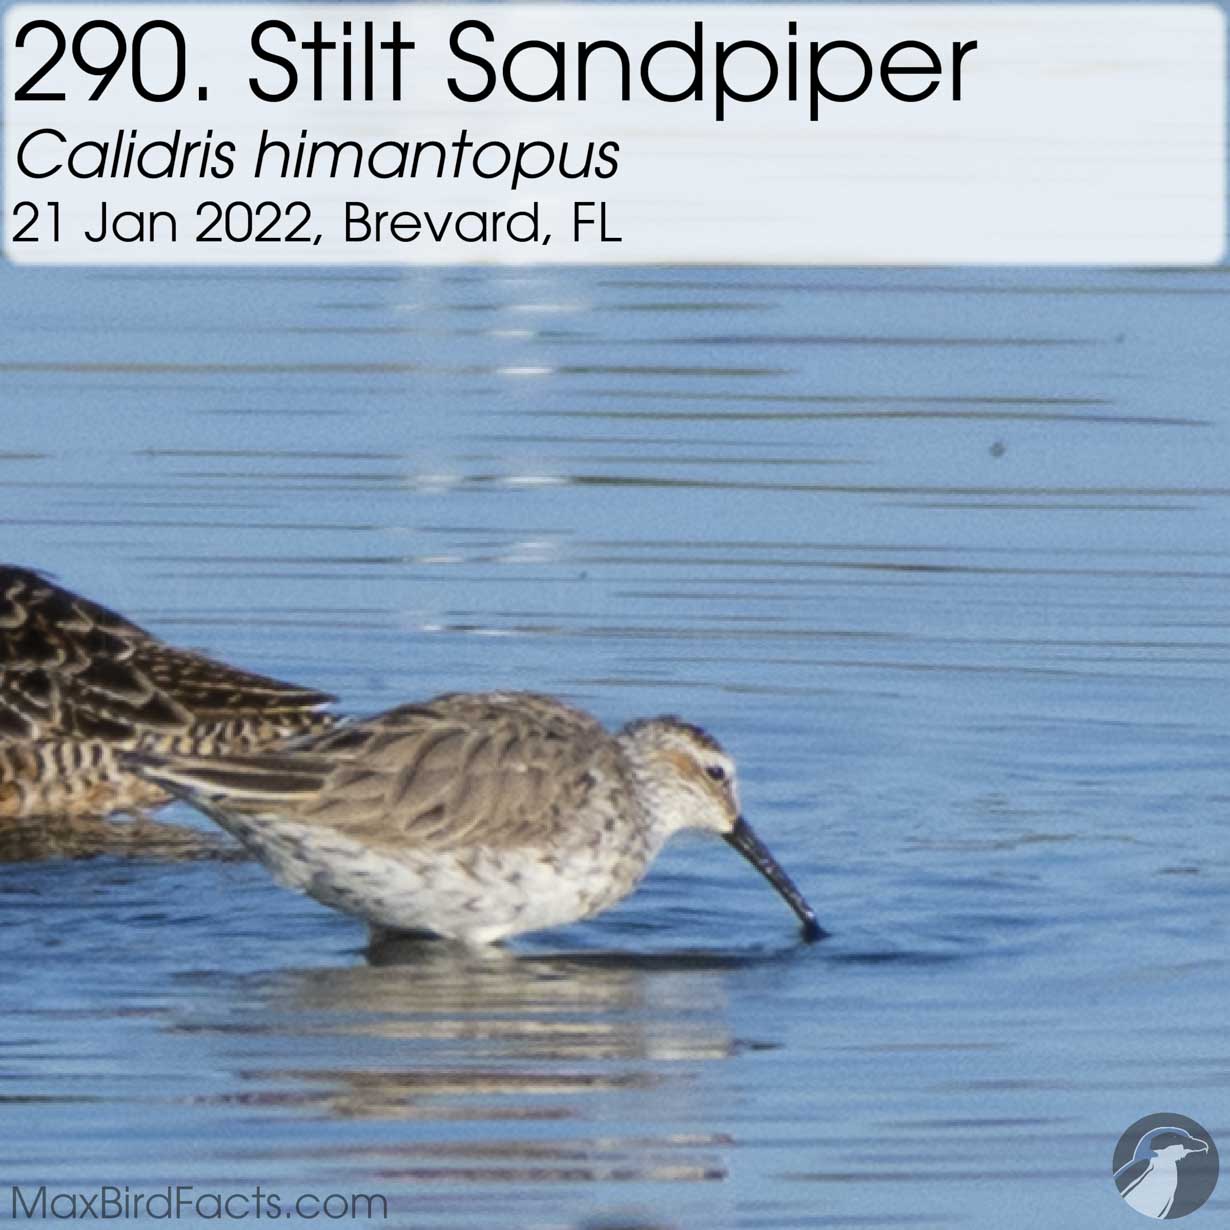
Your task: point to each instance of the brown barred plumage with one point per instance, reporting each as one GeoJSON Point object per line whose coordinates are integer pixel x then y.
{"type": "Point", "coordinates": [79, 685]}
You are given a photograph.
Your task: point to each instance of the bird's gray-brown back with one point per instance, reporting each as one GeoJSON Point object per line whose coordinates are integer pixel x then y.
{"type": "Point", "coordinates": [501, 770]}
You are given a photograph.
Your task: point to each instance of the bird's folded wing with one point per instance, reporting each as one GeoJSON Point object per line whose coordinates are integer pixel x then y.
{"type": "Point", "coordinates": [452, 773]}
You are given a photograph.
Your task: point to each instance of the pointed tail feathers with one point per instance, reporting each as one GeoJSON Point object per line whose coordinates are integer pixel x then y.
{"type": "Point", "coordinates": [235, 781]}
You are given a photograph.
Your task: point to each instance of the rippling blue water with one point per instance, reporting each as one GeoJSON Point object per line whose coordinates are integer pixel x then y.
{"type": "Point", "coordinates": [941, 557]}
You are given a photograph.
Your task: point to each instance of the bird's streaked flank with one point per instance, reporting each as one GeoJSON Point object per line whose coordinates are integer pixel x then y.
{"type": "Point", "coordinates": [80, 684]}
{"type": "Point", "coordinates": [473, 816]}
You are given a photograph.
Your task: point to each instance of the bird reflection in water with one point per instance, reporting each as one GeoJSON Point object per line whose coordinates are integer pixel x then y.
{"type": "Point", "coordinates": [436, 1034]}
{"type": "Point", "coordinates": [39, 838]}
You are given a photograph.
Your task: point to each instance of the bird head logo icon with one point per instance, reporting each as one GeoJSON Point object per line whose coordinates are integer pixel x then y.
{"type": "Point", "coordinates": [1165, 1166]}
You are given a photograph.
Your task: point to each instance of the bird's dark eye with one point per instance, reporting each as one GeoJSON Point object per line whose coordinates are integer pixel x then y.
{"type": "Point", "coordinates": [716, 773]}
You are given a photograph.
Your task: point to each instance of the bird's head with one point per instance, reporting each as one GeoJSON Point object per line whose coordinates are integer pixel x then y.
{"type": "Point", "coordinates": [1169, 1144]}
{"type": "Point", "coordinates": [689, 781]}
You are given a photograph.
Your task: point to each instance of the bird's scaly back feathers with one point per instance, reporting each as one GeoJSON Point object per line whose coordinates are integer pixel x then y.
{"type": "Point", "coordinates": [71, 667]}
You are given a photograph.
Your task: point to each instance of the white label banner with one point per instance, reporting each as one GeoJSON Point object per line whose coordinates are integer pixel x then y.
{"type": "Point", "coordinates": [568, 133]}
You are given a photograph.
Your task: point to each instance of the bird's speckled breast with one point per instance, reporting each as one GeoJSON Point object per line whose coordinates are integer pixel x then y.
{"type": "Point", "coordinates": [478, 894]}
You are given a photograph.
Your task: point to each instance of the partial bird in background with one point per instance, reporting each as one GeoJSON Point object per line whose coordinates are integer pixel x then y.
{"type": "Point", "coordinates": [80, 685]}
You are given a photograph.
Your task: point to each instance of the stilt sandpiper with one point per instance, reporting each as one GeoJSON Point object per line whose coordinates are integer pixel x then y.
{"type": "Point", "coordinates": [472, 816]}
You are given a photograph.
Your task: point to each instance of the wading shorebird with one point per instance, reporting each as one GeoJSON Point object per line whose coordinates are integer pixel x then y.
{"type": "Point", "coordinates": [473, 817]}
{"type": "Point", "coordinates": [79, 685]}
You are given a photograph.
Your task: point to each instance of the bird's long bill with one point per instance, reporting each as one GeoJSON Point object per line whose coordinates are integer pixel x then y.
{"type": "Point", "coordinates": [744, 839]}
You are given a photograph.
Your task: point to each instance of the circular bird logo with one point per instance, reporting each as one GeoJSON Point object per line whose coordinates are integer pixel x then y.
{"type": "Point", "coordinates": [1165, 1166]}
